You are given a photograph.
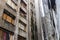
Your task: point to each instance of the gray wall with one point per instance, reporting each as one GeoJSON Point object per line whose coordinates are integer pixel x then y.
{"type": "Point", "coordinates": [58, 15]}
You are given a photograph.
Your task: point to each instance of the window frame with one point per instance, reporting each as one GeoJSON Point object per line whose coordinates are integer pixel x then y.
{"type": "Point", "coordinates": [7, 18]}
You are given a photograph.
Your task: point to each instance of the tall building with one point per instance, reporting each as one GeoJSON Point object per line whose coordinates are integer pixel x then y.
{"type": "Point", "coordinates": [32, 32]}
{"type": "Point", "coordinates": [46, 16]}
{"type": "Point", "coordinates": [15, 19]}
{"type": "Point", "coordinates": [58, 18]}
{"type": "Point", "coordinates": [49, 7]}
{"type": "Point", "coordinates": [28, 20]}
{"type": "Point", "coordinates": [33, 21]}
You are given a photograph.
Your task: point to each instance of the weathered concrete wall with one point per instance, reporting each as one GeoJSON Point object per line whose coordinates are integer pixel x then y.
{"type": "Point", "coordinates": [2, 23]}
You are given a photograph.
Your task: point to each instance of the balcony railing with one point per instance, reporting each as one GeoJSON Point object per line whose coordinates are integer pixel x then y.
{"type": "Point", "coordinates": [23, 16]}
{"type": "Point", "coordinates": [24, 9]}
{"type": "Point", "coordinates": [15, 1]}
{"type": "Point", "coordinates": [21, 26]}
{"type": "Point", "coordinates": [25, 1]}
{"type": "Point", "coordinates": [23, 5]}
{"type": "Point", "coordinates": [7, 25]}
{"type": "Point", "coordinates": [23, 19]}
{"type": "Point", "coordinates": [10, 7]}
{"type": "Point", "coordinates": [11, 4]}
{"type": "Point", "coordinates": [22, 33]}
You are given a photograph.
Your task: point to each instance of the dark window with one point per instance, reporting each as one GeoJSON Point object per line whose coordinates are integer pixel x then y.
{"type": "Point", "coordinates": [53, 23]}
{"type": "Point", "coordinates": [21, 38]}
{"type": "Point", "coordinates": [22, 13]}
{"type": "Point", "coordinates": [23, 2]}
{"type": "Point", "coordinates": [8, 17]}
{"type": "Point", "coordinates": [22, 23]}
{"type": "Point", "coordinates": [51, 4]}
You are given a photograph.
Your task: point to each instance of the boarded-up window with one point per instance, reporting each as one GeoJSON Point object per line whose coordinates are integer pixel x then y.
{"type": "Point", "coordinates": [8, 18]}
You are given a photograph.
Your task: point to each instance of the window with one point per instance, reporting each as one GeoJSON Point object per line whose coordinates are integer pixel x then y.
{"type": "Point", "coordinates": [53, 23]}
{"type": "Point", "coordinates": [23, 25]}
{"type": "Point", "coordinates": [15, 2]}
{"type": "Point", "coordinates": [22, 13]}
{"type": "Point", "coordinates": [21, 38]}
{"type": "Point", "coordinates": [48, 4]}
{"type": "Point", "coordinates": [23, 4]}
{"type": "Point", "coordinates": [10, 4]}
{"type": "Point", "coordinates": [5, 35]}
{"type": "Point", "coordinates": [8, 18]}
{"type": "Point", "coordinates": [51, 4]}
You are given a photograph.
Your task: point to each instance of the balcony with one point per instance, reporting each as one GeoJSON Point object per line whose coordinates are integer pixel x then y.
{"type": "Point", "coordinates": [23, 19]}
{"type": "Point", "coordinates": [25, 1]}
{"type": "Point", "coordinates": [12, 11]}
{"type": "Point", "coordinates": [24, 9]}
{"type": "Point", "coordinates": [21, 26]}
{"type": "Point", "coordinates": [15, 1]}
{"type": "Point", "coordinates": [4, 24]}
{"type": "Point", "coordinates": [22, 33]}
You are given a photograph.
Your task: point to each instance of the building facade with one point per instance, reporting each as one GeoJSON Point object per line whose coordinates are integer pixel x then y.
{"type": "Point", "coordinates": [15, 19]}
{"type": "Point", "coordinates": [28, 20]}
{"type": "Point", "coordinates": [58, 18]}
{"type": "Point", "coordinates": [49, 20]}
{"type": "Point", "coordinates": [46, 16]}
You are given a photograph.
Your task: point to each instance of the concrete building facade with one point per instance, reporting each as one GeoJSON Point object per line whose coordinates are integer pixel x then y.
{"type": "Point", "coordinates": [15, 16]}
